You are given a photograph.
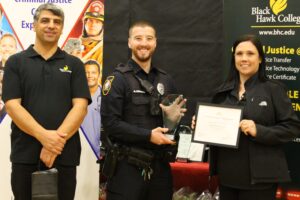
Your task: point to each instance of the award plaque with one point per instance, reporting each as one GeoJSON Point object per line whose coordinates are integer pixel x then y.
{"type": "Point", "coordinates": [185, 139]}
{"type": "Point", "coordinates": [188, 150]}
{"type": "Point", "coordinates": [171, 113]}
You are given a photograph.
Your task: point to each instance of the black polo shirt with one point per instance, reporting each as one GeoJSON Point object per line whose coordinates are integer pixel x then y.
{"type": "Point", "coordinates": [46, 88]}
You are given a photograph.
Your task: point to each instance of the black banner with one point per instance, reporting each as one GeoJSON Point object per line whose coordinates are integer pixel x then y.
{"type": "Point", "coordinates": [277, 24]}
{"type": "Point", "coordinates": [189, 46]}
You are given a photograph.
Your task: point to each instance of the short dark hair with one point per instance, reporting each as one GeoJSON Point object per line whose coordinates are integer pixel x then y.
{"type": "Point", "coordinates": [141, 23]}
{"type": "Point", "coordinates": [50, 7]}
{"type": "Point", "coordinates": [233, 73]}
{"type": "Point", "coordinates": [93, 62]}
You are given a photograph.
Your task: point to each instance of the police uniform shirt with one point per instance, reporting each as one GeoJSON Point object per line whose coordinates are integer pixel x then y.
{"type": "Point", "coordinates": [46, 88]}
{"type": "Point", "coordinates": [117, 96]}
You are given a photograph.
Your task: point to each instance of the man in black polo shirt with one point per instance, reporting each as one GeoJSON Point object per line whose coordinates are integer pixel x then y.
{"type": "Point", "coordinates": [46, 94]}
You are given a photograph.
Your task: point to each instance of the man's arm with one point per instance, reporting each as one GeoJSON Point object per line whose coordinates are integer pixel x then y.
{"type": "Point", "coordinates": [50, 139]}
{"type": "Point", "coordinates": [69, 126]}
{"type": "Point", "coordinates": [74, 118]}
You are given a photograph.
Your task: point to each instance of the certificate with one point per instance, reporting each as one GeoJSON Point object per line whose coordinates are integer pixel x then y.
{"type": "Point", "coordinates": [217, 124]}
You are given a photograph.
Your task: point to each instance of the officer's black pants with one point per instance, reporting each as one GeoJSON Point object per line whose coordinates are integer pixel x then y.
{"type": "Point", "coordinates": [21, 181]}
{"type": "Point", "coordinates": [228, 193]}
{"type": "Point", "coordinates": [129, 184]}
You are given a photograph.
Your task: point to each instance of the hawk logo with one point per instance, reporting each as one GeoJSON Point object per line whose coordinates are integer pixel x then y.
{"type": "Point", "coordinates": [278, 6]}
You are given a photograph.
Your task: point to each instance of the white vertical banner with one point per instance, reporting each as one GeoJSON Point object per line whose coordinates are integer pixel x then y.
{"type": "Point", "coordinates": [5, 166]}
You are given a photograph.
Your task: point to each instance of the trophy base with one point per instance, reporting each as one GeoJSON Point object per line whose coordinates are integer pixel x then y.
{"type": "Point", "coordinates": [183, 160]}
{"type": "Point", "coordinates": [170, 136]}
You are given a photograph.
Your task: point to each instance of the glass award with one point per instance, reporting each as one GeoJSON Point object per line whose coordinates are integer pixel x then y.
{"type": "Point", "coordinates": [171, 112]}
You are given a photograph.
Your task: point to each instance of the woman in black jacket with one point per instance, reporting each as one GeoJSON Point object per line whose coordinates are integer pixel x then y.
{"type": "Point", "coordinates": [253, 170]}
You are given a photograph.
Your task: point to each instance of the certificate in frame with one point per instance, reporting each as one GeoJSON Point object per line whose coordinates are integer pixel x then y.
{"type": "Point", "coordinates": [218, 124]}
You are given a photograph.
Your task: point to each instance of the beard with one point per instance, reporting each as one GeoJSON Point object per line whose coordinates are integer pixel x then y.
{"type": "Point", "coordinates": [143, 57]}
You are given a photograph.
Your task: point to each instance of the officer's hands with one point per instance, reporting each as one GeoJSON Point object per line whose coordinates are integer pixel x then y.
{"type": "Point", "coordinates": [47, 157]}
{"type": "Point", "coordinates": [248, 127]}
{"type": "Point", "coordinates": [158, 137]}
{"type": "Point", "coordinates": [175, 111]}
{"type": "Point", "coordinates": [53, 141]}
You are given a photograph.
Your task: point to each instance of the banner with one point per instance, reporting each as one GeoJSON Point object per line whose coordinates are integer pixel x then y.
{"type": "Point", "coordinates": [83, 37]}
{"type": "Point", "coordinates": [189, 42]}
{"type": "Point", "coordinates": [277, 24]}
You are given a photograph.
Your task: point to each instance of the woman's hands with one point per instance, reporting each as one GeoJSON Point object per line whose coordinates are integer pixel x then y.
{"type": "Point", "coordinates": [248, 127]}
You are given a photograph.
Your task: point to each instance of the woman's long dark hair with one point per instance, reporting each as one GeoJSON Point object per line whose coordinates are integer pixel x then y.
{"type": "Point", "coordinates": [233, 72]}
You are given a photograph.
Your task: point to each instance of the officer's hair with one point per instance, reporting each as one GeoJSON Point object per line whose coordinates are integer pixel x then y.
{"type": "Point", "coordinates": [93, 62]}
{"type": "Point", "coordinates": [141, 23]}
{"type": "Point", "coordinates": [57, 11]}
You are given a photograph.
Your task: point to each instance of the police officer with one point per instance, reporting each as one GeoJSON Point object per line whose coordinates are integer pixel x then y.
{"type": "Point", "coordinates": [132, 118]}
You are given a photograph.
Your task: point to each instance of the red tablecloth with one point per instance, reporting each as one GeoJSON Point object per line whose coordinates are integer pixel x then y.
{"type": "Point", "coordinates": [194, 175]}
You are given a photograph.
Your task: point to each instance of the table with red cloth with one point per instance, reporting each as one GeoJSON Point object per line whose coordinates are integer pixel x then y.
{"type": "Point", "coordinates": [194, 175]}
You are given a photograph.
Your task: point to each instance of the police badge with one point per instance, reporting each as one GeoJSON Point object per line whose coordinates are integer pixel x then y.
{"type": "Point", "coordinates": [160, 88]}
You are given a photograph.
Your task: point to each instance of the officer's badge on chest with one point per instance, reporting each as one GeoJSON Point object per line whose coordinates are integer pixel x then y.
{"type": "Point", "coordinates": [160, 88]}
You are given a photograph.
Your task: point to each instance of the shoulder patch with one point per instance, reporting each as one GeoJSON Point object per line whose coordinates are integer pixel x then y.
{"type": "Point", "coordinates": [107, 85]}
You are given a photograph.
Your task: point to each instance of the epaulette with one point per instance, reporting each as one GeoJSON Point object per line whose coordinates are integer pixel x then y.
{"type": "Point", "coordinates": [161, 70]}
{"type": "Point", "coordinates": [123, 68]}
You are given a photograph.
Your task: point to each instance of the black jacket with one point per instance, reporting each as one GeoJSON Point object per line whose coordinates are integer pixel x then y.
{"type": "Point", "coordinates": [267, 104]}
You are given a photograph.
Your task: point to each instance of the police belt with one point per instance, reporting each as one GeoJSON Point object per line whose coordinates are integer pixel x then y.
{"type": "Point", "coordinates": [141, 158]}
{"type": "Point", "coordinates": [136, 156]}
{"type": "Point", "coordinates": [144, 157]}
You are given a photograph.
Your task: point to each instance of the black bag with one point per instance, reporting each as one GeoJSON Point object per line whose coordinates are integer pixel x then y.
{"type": "Point", "coordinates": [44, 185]}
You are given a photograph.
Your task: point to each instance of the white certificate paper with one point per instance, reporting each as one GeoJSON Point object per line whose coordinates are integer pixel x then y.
{"type": "Point", "coordinates": [217, 124]}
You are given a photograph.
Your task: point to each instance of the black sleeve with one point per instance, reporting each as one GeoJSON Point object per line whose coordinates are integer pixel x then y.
{"type": "Point", "coordinates": [115, 90]}
{"type": "Point", "coordinates": [11, 80]}
{"type": "Point", "coordinates": [287, 125]}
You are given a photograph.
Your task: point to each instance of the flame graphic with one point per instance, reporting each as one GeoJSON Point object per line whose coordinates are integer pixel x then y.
{"type": "Point", "coordinates": [278, 6]}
